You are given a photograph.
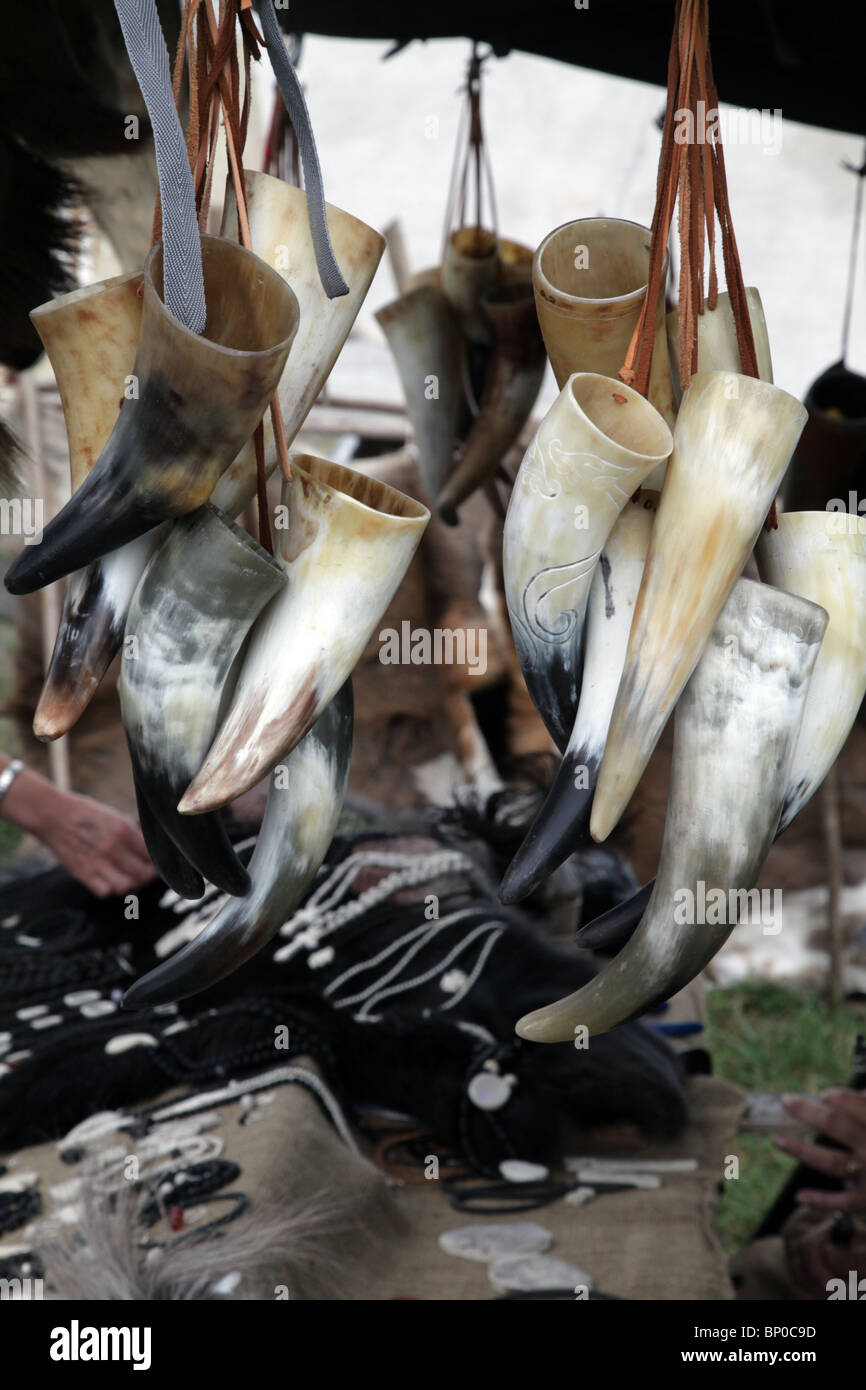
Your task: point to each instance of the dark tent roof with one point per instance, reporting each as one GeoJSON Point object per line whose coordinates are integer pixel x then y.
{"type": "Point", "coordinates": [805, 58]}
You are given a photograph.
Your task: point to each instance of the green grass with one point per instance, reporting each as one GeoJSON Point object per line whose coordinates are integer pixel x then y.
{"type": "Point", "coordinates": [767, 1038]}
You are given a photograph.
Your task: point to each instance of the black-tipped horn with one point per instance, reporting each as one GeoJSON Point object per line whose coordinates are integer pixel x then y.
{"type": "Point", "coordinates": [196, 400]}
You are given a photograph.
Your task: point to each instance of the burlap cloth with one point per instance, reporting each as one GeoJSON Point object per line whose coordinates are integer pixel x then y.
{"type": "Point", "coordinates": [375, 1240]}
{"type": "Point", "coordinates": [639, 1245]}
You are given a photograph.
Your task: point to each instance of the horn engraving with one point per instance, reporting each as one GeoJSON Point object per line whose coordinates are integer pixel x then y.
{"type": "Point", "coordinates": [563, 820]}
{"type": "Point", "coordinates": [593, 449]}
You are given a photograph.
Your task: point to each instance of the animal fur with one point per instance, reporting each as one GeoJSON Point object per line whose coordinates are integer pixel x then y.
{"type": "Point", "coordinates": [314, 1245]}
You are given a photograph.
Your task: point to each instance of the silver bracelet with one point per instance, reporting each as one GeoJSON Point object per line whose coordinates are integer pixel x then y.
{"type": "Point", "coordinates": [8, 775]}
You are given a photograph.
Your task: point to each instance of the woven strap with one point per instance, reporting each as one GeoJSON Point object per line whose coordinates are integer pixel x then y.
{"type": "Point", "coordinates": [290, 89]}
{"type": "Point", "coordinates": [183, 276]}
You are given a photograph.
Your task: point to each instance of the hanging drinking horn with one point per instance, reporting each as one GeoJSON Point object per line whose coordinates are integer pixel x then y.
{"type": "Point", "coordinates": [423, 338]}
{"type": "Point", "coordinates": [820, 557]}
{"type": "Point", "coordinates": [593, 449]}
{"type": "Point", "coordinates": [280, 234]}
{"type": "Point", "coordinates": [733, 438]}
{"type": "Point", "coordinates": [564, 818]}
{"type": "Point", "coordinates": [95, 609]}
{"type": "Point", "coordinates": [515, 260]}
{"type": "Point", "coordinates": [736, 725]}
{"type": "Point", "coordinates": [200, 398]}
{"type": "Point", "coordinates": [174, 867]}
{"type": "Point", "coordinates": [188, 620]}
{"type": "Point", "coordinates": [717, 338]}
{"type": "Point", "coordinates": [511, 386]}
{"type": "Point", "coordinates": [91, 337]}
{"type": "Point", "coordinates": [347, 541]}
{"type": "Point", "coordinates": [590, 277]}
{"type": "Point", "coordinates": [304, 803]}
{"type": "Point", "coordinates": [469, 266]}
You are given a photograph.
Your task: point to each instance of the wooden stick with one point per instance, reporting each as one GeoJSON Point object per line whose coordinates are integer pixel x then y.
{"type": "Point", "coordinates": [49, 597]}
{"type": "Point", "coordinates": [830, 799]}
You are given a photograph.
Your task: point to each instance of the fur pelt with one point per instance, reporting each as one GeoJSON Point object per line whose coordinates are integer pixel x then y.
{"type": "Point", "coordinates": [314, 1243]}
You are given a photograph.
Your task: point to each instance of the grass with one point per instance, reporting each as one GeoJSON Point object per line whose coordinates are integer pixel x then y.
{"type": "Point", "coordinates": [769, 1038]}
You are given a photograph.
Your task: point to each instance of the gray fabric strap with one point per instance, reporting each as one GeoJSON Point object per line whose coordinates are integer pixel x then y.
{"type": "Point", "coordinates": [183, 277]}
{"type": "Point", "coordinates": [290, 89]}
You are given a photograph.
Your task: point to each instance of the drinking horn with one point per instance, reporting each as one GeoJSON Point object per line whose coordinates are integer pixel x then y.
{"type": "Point", "coordinates": [822, 556]}
{"type": "Point", "coordinates": [91, 337]}
{"type": "Point", "coordinates": [304, 804]}
{"type": "Point", "coordinates": [280, 234]}
{"type": "Point", "coordinates": [98, 598]}
{"type": "Point", "coordinates": [175, 868]}
{"type": "Point", "coordinates": [345, 541]}
{"type": "Point", "coordinates": [717, 337]}
{"type": "Point", "coordinates": [469, 265]}
{"type": "Point", "coordinates": [736, 725]}
{"type": "Point", "coordinates": [189, 617]}
{"type": "Point", "coordinates": [593, 449]}
{"type": "Point", "coordinates": [733, 438]}
{"type": "Point", "coordinates": [590, 278]}
{"type": "Point", "coordinates": [199, 399]}
{"type": "Point", "coordinates": [425, 343]}
{"type": "Point", "coordinates": [511, 386]}
{"type": "Point", "coordinates": [516, 262]}
{"type": "Point", "coordinates": [819, 556]}
{"type": "Point", "coordinates": [563, 820]}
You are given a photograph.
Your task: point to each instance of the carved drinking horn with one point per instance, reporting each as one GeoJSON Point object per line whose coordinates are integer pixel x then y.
{"type": "Point", "coordinates": [820, 556]}
{"type": "Point", "coordinates": [469, 266]}
{"type": "Point", "coordinates": [200, 398]}
{"type": "Point", "coordinates": [736, 725]}
{"type": "Point", "coordinates": [304, 803]}
{"type": "Point", "coordinates": [590, 277]}
{"type": "Point", "coordinates": [347, 542]}
{"type": "Point", "coordinates": [189, 617]}
{"type": "Point", "coordinates": [732, 441]}
{"type": "Point", "coordinates": [425, 343]}
{"type": "Point", "coordinates": [280, 234]}
{"type": "Point", "coordinates": [91, 337]}
{"type": "Point", "coordinates": [717, 338]}
{"type": "Point", "coordinates": [594, 448]}
{"type": "Point", "coordinates": [511, 386]}
{"type": "Point", "coordinates": [563, 820]}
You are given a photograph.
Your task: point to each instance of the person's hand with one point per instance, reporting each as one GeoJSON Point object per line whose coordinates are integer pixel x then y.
{"type": "Point", "coordinates": [841, 1115]}
{"type": "Point", "coordinates": [814, 1259]}
{"type": "Point", "coordinates": [101, 848]}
